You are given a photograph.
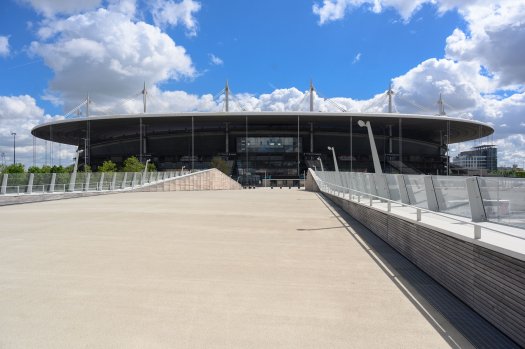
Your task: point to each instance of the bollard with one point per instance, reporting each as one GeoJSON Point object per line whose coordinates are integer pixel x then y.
{"type": "Point", "coordinates": [371, 201]}
{"type": "Point", "coordinates": [389, 206]}
{"type": "Point", "coordinates": [358, 198]}
{"type": "Point", "coordinates": [419, 215]}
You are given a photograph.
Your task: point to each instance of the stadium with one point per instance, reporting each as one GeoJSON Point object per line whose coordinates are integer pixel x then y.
{"type": "Point", "coordinates": [275, 145]}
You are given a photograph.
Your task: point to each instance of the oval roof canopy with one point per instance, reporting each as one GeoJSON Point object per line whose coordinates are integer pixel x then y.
{"type": "Point", "coordinates": [414, 126]}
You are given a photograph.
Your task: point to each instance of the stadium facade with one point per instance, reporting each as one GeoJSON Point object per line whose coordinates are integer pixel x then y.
{"type": "Point", "coordinates": [268, 144]}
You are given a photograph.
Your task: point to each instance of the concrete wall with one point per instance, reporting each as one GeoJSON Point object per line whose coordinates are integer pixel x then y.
{"type": "Point", "coordinates": [491, 283]}
{"type": "Point", "coordinates": [208, 180]}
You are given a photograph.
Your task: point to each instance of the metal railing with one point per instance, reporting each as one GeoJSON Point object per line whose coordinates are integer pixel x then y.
{"type": "Point", "coordinates": [492, 199]}
{"type": "Point", "coordinates": [368, 199]}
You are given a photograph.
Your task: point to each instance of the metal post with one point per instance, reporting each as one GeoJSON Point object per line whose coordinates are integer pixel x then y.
{"type": "Point", "coordinates": [14, 147]}
{"type": "Point", "coordinates": [4, 184]}
{"type": "Point", "coordinates": [114, 181]}
{"type": "Point", "coordinates": [477, 209]}
{"type": "Point", "coordinates": [124, 180]}
{"type": "Point", "coordinates": [52, 184]}
{"type": "Point", "coordinates": [30, 183]}
{"type": "Point", "coordinates": [403, 192]}
{"type": "Point", "coordinates": [375, 156]}
{"type": "Point", "coordinates": [418, 214]}
{"type": "Point", "coordinates": [145, 172]}
{"type": "Point", "coordinates": [88, 179]}
{"type": "Point", "coordinates": [431, 194]}
{"type": "Point", "coordinates": [101, 182]}
{"type": "Point", "coordinates": [298, 156]}
{"type": "Point", "coordinates": [73, 177]}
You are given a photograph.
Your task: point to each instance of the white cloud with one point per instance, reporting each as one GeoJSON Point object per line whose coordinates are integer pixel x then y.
{"type": "Point", "coordinates": [20, 114]}
{"type": "Point", "coordinates": [169, 12]}
{"type": "Point", "coordinates": [50, 8]}
{"type": "Point", "coordinates": [106, 53]}
{"type": "Point", "coordinates": [214, 60]}
{"type": "Point", "coordinates": [495, 39]}
{"type": "Point", "coordinates": [4, 46]}
{"type": "Point", "coordinates": [357, 58]}
{"type": "Point", "coordinates": [332, 10]}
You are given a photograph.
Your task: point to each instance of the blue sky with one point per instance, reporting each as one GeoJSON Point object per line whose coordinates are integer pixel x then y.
{"type": "Point", "coordinates": [52, 52]}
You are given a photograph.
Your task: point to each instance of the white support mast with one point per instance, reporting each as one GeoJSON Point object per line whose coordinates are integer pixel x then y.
{"type": "Point", "coordinates": [227, 97]}
{"type": "Point", "coordinates": [312, 90]}
{"type": "Point", "coordinates": [441, 106]}
{"type": "Point", "coordinates": [144, 94]}
{"type": "Point", "coordinates": [390, 93]}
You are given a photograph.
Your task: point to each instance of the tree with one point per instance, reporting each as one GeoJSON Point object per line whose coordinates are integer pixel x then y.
{"type": "Point", "coordinates": [132, 164]}
{"type": "Point", "coordinates": [107, 166]}
{"type": "Point", "coordinates": [34, 169]}
{"type": "Point", "coordinates": [219, 163]}
{"type": "Point", "coordinates": [14, 168]}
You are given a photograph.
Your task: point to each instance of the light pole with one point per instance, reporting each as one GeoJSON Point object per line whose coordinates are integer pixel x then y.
{"type": "Point", "coordinates": [85, 158]}
{"type": "Point", "coordinates": [335, 159]}
{"type": "Point", "coordinates": [14, 147]}
{"type": "Point", "coordinates": [73, 178]}
{"type": "Point", "coordinates": [375, 157]}
{"type": "Point", "coordinates": [321, 162]}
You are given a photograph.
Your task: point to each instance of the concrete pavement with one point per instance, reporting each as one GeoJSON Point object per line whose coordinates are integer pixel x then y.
{"type": "Point", "coordinates": [212, 269]}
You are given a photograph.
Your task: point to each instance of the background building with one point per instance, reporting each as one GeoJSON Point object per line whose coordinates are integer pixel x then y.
{"type": "Point", "coordinates": [483, 157]}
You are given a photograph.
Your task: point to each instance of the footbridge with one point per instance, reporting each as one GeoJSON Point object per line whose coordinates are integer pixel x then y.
{"type": "Point", "coordinates": [179, 263]}
{"type": "Point", "coordinates": [465, 233]}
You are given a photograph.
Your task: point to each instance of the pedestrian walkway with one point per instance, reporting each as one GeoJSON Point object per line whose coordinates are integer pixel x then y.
{"type": "Point", "coordinates": [247, 269]}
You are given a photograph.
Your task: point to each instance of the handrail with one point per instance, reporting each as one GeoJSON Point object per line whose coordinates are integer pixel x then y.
{"type": "Point", "coordinates": [477, 227]}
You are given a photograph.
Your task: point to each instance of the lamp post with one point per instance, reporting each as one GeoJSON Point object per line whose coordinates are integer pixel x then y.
{"type": "Point", "coordinates": [321, 162]}
{"type": "Point", "coordinates": [335, 159]}
{"type": "Point", "coordinates": [375, 157]}
{"type": "Point", "coordinates": [73, 178]}
{"type": "Point", "coordinates": [85, 148]}
{"type": "Point", "coordinates": [14, 147]}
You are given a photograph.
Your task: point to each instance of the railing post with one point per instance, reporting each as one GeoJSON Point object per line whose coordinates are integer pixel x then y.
{"type": "Point", "coordinates": [124, 180]}
{"type": "Point", "coordinates": [29, 189]}
{"type": "Point", "coordinates": [101, 182]}
{"type": "Point", "coordinates": [389, 206]}
{"type": "Point", "coordinates": [431, 194]}
{"type": "Point", "coordinates": [381, 186]}
{"type": "Point", "coordinates": [477, 208]}
{"type": "Point", "coordinates": [477, 232]}
{"type": "Point", "coordinates": [114, 181]}
{"type": "Point", "coordinates": [4, 184]}
{"type": "Point", "coordinates": [133, 181]}
{"type": "Point", "coordinates": [72, 181]}
{"type": "Point", "coordinates": [418, 213]}
{"type": "Point", "coordinates": [403, 193]}
{"type": "Point", "coordinates": [88, 178]}
{"type": "Point", "coordinates": [52, 184]}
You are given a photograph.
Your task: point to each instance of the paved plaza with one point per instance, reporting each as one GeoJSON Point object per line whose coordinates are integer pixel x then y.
{"type": "Point", "coordinates": [208, 269]}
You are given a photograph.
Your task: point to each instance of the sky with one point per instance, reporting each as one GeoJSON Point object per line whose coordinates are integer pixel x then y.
{"type": "Point", "coordinates": [54, 52]}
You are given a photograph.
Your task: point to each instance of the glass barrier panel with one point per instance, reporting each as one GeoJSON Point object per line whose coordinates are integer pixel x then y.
{"type": "Point", "coordinates": [504, 200]}
{"type": "Point", "coordinates": [452, 195]}
{"type": "Point", "coordinates": [393, 187]}
{"type": "Point", "coordinates": [416, 190]}
{"type": "Point", "coordinates": [62, 182]}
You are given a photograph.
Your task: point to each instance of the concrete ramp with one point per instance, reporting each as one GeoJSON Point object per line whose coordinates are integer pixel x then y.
{"type": "Point", "coordinates": [212, 179]}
